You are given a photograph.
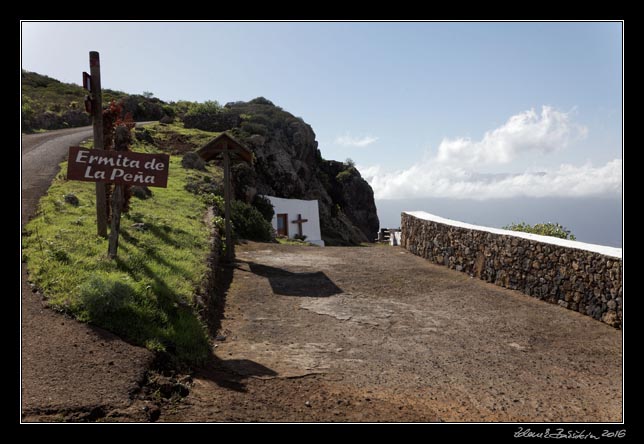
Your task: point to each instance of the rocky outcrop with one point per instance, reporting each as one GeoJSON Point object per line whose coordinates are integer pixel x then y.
{"type": "Point", "coordinates": [288, 164]}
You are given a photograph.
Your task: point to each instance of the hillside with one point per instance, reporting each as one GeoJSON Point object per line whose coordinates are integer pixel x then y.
{"type": "Point", "coordinates": [49, 104]}
{"type": "Point", "coordinates": [289, 164]}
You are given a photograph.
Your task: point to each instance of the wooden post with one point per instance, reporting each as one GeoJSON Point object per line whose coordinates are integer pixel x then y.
{"type": "Point", "coordinates": [227, 197]}
{"type": "Point", "coordinates": [117, 207]}
{"type": "Point", "coordinates": [97, 118]}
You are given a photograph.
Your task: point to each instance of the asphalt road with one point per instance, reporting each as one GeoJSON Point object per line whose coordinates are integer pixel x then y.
{"type": "Point", "coordinates": [41, 154]}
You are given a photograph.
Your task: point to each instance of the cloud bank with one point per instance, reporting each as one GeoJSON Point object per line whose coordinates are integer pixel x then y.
{"type": "Point", "coordinates": [424, 180]}
{"type": "Point", "coordinates": [451, 173]}
{"type": "Point", "coordinates": [359, 142]}
{"type": "Point", "coordinates": [524, 132]}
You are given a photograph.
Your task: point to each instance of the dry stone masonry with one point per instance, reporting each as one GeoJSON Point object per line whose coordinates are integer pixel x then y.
{"type": "Point", "coordinates": [581, 277]}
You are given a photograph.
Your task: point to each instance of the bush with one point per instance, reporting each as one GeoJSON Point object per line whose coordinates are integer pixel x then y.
{"type": "Point", "coordinates": [264, 206]}
{"type": "Point", "coordinates": [142, 108]}
{"type": "Point", "coordinates": [249, 223]}
{"type": "Point", "coordinates": [210, 116]}
{"type": "Point", "coordinates": [254, 128]}
{"type": "Point", "coordinates": [198, 185]}
{"type": "Point", "coordinates": [545, 229]}
{"type": "Point", "coordinates": [141, 192]}
{"type": "Point", "coordinates": [193, 161]}
{"type": "Point", "coordinates": [345, 175]}
{"type": "Point", "coordinates": [243, 178]}
{"type": "Point", "coordinates": [261, 101]}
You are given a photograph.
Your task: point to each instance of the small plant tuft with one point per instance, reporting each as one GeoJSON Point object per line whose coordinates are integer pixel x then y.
{"type": "Point", "coordinates": [544, 229]}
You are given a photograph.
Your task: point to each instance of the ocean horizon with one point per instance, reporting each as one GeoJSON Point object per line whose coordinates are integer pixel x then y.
{"type": "Point", "coordinates": [592, 220]}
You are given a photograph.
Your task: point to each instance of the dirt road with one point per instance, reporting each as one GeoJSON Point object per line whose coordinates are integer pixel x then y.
{"type": "Point", "coordinates": [68, 370]}
{"type": "Point", "coordinates": [377, 334]}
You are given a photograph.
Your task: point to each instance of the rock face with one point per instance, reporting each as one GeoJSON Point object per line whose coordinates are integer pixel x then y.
{"type": "Point", "coordinates": [288, 164]}
{"type": "Point", "coordinates": [584, 281]}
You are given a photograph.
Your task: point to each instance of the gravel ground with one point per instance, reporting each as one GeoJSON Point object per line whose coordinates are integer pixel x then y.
{"type": "Point", "coordinates": [378, 334]}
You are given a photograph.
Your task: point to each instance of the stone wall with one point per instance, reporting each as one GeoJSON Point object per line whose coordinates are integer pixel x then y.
{"type": "Point", "coordinates": [208, 298]}
{"type": "Point", "coordinates": [581, 277]}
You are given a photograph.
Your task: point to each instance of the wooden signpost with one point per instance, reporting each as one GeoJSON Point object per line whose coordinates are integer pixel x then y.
{"type": "Point", "coordinates": [96, 108]}
{"type": "Point", "coordinates": [120, 168]}
{"type": "Point", "coordinates": [229, 149]}
{"type": "Point", "coordinates": [114, 166]}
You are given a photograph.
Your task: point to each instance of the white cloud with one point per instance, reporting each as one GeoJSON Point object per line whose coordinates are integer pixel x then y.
{"type": "Point", "coordinates": [524, 132]}
{"type": "Point", "coordinates": [355, 141]}
{"type": "Point", "coordinates": [431, 180]}
{"type": "Point", "coordinates": [451, 173]}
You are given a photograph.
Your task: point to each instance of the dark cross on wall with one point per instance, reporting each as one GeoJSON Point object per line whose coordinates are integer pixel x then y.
{"type": "Point", "coordinates": [299, 221]}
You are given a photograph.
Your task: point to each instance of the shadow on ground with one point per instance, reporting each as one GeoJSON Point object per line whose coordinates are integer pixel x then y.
{"type": "Point", "coordinates": [229, 373]}
{"type": "Point", "coordinates": [286, 283]}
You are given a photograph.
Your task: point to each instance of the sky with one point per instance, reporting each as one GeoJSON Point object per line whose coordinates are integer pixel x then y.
{"type": "Point", "coordinates": [465, 110]}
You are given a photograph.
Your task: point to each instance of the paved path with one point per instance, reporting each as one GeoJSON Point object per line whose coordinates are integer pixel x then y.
{"type": "Point", "coordinates": [69, 370]}
{"type": "Point", "coordinates": [378, 334]}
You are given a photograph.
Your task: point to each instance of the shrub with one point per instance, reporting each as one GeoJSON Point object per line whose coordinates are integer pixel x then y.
{"type": "Point", "coordinates": [254, 128]}
{"type": "Point", "coordinates": [243, 178]}
{"type": "Point", "coordinates": [545, 229]}
{"type": "Point", "coordinates": [169, 111]}
{"type": "Point", "coordinates": [249, 223]}
{"type": "Point", "coordinates": [345, 175]}
{"type": "Point", "coordinates": [141, 192]}
{"type": "Point", "coordinates": [264, 206]}
{"type": "Point", "coordinates": [193, 161]}
{"type": "Point", "coordinates": [261, 101]}
{"type": "Point", "coordinates": [210, 116]}
{"type": "Point", "coordinates": [216, 201]}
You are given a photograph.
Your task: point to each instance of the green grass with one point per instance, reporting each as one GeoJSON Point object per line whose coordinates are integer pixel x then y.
{"type": "Point", "coordinates": [289, 241]}
{"type": "Point", "coordinates": [192, 135]}
{"type": "Point", "coordinates": [146, 294]}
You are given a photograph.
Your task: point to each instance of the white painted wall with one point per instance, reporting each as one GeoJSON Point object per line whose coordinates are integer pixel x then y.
{"type": "Point", "coordinates": [307, 208]}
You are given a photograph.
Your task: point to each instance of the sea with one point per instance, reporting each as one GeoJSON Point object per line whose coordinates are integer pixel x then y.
{"type": "Point", "coordinates": [593, 220]}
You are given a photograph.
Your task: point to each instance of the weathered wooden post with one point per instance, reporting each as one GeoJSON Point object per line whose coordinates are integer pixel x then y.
{"type": "Point", "coordinates": [225, 145]}
{"type": "Point", "coordinates": [121, 141]}
{"type": "Point", "coordinates": [97, 121]}
{"type": "Point", "coordinates": [115, 228]}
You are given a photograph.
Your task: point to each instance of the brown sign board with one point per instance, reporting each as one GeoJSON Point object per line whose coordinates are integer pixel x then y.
{"type": "Point", "coordinates": [119, 167]}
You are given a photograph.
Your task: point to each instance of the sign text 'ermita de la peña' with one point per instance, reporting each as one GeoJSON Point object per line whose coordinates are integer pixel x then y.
{"type": "Point", "coordinates": [119, 167]}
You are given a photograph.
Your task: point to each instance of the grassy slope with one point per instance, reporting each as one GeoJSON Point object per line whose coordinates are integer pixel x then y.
{"type": "Point", "coordinates": [54, 95]}
{"type": "Point", "coordinates": [48, 103]}
{"type": "Point", "coordinates": [146, 295]}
